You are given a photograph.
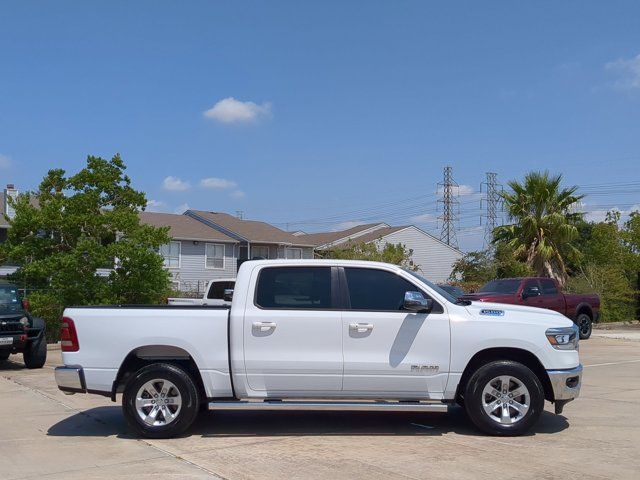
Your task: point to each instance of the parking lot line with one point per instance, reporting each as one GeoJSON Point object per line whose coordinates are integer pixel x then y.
{"type": "Point", "coordinates": [610, 363]}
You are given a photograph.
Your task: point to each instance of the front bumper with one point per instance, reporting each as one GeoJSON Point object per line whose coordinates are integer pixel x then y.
{"type": "Point", "coordinates": [565, 383]}
{"type": "Point", "coordinates": [70, 379]}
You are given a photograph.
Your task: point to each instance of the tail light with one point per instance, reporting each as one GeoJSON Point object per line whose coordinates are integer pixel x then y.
{"type": "Point", "coordinates": [26, 305]}
{"type": "Point", "coordinates": [68, 336]}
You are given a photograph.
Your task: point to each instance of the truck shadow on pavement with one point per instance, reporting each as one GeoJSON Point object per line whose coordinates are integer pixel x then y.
{"type": "Point", "coordinates": [109, 421]}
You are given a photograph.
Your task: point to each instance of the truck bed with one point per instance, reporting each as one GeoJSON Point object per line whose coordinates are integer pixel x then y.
{"type": "Point", "coordinates": [109, 334]}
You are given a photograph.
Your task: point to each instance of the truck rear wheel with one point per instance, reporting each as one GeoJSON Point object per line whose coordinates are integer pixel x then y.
{"type": "Point", "coordinates": [160, 401]}
{"type": "Point", "coordinates": [585, 325]}
{"type": "Point", "coordinates": [35, 355]}
{"type": "Point", "coordinates": [504, 398]}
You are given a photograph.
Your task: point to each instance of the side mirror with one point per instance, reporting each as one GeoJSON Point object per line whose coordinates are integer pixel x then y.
{"type": "Point", "coordinates": [228, 294]}
{"type": "Point", "coordinates": [26, 305]}
{"type": "Point", "coordinates": [530, 292]}
{"type": "Point", "coordinates": [415, 302]}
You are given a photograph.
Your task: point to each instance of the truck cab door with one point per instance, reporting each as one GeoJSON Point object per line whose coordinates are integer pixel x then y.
{"type": "Point", "coordinates": [390, 352]}
{"type": "Point", "coordinates": [531, 294]}
{"type": "Point", "coordinates": [292, 333]}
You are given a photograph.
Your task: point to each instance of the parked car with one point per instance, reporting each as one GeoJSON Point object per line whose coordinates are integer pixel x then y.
{"type": "Point", "coordinates": [542, 292]}
{"type": "Point", "coordinates": [218, 292]}
{"type": "Point", "coordinates": [19, 331]}
{"type": "Point", "coordinates": [323, 335]}
{"type": "Point", "coordinates": [452, 289]}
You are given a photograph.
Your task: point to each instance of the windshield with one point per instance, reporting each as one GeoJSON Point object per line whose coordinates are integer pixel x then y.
{"type": "Point", "coordinates": [9, 301]}
{"type": "Point", "coordinates": [501, 286]}
{"type": "Point", "coordinates": [443, 293]}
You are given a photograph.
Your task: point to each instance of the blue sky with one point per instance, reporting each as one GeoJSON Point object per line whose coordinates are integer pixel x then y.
{"type": "Point", "coordinates": [325, 113]}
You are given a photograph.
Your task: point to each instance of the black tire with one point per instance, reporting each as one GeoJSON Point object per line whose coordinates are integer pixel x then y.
{"type": "Point", "coordinates": [4, 356]}
{"type": "Point", "coordinates": [35, 355]}
{"type": "Point", "coordinates": [585, 325]}
{"type": "Point", "coordinates": [186, 389]}
{"type": "Point", "coordinates": [474, 398]}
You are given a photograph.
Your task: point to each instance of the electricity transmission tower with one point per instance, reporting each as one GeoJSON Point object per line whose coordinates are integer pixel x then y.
{"type": "Point", "coordinates": [450, 207]}
{"type": "Point", "coordinates": [491, 204]}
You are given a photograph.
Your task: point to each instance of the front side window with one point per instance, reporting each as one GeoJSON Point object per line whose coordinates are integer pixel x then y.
{"type": "Point", "coordinates": [170, 252]}
{"type": "Point", "coordinates": [379, 290]}
{"type": "Point", "coordinates": [293, 253]}
{"type": "Point", "coordinates": [548, 287]}
{"type": "Point", "coordinates": [294, 288]}
{"type": "Point", "coordinates": [214, 255]}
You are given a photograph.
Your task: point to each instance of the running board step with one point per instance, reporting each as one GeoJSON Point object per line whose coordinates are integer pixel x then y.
{"type": "Point", "coordinates": [329, 406]}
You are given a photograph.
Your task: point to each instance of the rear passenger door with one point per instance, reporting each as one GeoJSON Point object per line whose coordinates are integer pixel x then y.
{"type": "Point", "coordinates": [389, 352]}
{"type": "Point", "coordinates": [292, 332]}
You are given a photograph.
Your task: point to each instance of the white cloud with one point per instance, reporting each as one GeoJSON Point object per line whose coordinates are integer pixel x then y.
{"type": "Point", "coordinates": [219, 183]}
{"type": "Point", "coordinates": [180, 209]}
{"type": "Point", "coordinates": [600, 215]}
{"type": "Point", "coordinates": [155, 206]}
{"type": "Point", "coordinates": [5, 161]}
{"type": "Point", "coordinates": [424, 218]}
{"type": "Point", "coordinates": [230, 110]}
{"type": "Point", "coordinates": [174, 184]}
{"type": "Point", "coordinates": [237, 194]}
{"type": "Point", "coordinates": [629, 70]}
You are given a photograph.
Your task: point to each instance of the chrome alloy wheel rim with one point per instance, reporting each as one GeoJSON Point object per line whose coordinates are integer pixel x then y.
{"type": "Point", "coordinates": [506, 400]}
{"type": "Point", "coordinates": [158, 402]}
{"type": "Point", "coordinates": [584, 324]}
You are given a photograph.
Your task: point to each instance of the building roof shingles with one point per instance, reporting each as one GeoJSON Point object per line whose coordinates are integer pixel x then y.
{"type": "Point", "coordinates": [328, 237]}
{"type": "Point", "coordinates": [184, 228]}
{"type": "Point", "coordinates": [252, 230]}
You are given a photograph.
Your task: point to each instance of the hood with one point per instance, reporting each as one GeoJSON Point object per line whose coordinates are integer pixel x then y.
{"type": "Point", "coordinates": [518, 314]}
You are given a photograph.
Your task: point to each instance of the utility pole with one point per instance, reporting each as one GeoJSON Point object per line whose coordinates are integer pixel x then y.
{"type": "Point", "coordinates": [450, 208]}
{"type": "Point", "coordinates": [491, 204]}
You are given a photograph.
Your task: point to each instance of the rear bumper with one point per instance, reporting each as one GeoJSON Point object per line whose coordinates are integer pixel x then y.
{"type": "Point", "coordinates": [70, 379]}
{"type": "Point", "coordinates": [566, 383]}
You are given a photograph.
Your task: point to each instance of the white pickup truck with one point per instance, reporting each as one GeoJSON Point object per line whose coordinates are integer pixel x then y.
{"type": "Point", "coordinates": [324, 335]}
{"type": "Point", "coordinates": [218, 292]}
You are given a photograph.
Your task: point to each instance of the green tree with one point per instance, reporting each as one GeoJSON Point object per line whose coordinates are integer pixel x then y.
{"type": "Point", "coordinates": [78, 241]}
{"type": "Point", "coordinates": [543, 225]}
{"type": "Point", "coordinates": [397, 253]}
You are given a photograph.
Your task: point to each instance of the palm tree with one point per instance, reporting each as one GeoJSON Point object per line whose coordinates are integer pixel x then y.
{"type": "Point", "coordinates": [543, 222]}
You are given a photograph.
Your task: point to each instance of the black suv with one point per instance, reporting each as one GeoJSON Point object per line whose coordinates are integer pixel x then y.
{"type": "Point", "coordinates": [19, 331]}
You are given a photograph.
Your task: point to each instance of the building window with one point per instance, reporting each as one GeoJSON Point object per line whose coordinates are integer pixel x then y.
{"type": "Point", "coordinates": [293, 253]}
{"type": "Point", "coordinates": [214, 255]}
{"type": "Point", "coordinates": [171, 254]}
{"type": "Point", "coordinates": [260, 251]}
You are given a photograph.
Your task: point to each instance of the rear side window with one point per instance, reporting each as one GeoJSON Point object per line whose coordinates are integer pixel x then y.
{"type": "Point", "coordinates": [548, 287]}
{"type": "Point", "coordinates": [294, 288]}
{"type": "Point", "coordinates": [378, 290]}
{"type": "Point", "coordinates": [216, 292]}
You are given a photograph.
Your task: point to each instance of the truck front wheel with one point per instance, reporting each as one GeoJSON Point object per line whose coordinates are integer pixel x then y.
{"type": "Point", "coordinates": [160, 401]}
{"type": "Point", "coordinates": [504, 398]}
{"type": "Point", "coordinates": [35, 355]}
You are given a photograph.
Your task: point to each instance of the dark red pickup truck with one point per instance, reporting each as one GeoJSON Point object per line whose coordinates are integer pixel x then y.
{"type": "Point", "coordinates": [542, 293]}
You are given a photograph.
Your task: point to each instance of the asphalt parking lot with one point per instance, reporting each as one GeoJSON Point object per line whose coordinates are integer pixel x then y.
{"type": "Point", "coordinates": [45, 434]}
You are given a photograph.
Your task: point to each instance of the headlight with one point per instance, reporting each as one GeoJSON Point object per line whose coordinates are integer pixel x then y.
{"type": "Point", "coordinates": [564, 338]}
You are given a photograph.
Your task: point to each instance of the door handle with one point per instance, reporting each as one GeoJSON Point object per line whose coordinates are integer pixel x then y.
{"type": "Point", "coordinates": [264, 326]}
{"type": "Point", "coordinates": [361, 327]}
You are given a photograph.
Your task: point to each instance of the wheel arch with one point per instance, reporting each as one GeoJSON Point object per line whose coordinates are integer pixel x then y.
{"type": "Point", "coordinates": [145, 355]}
{"type": "Point", "coordinates": [584, 308]}
{"type": "Point", "coordinates": [519, 355]}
